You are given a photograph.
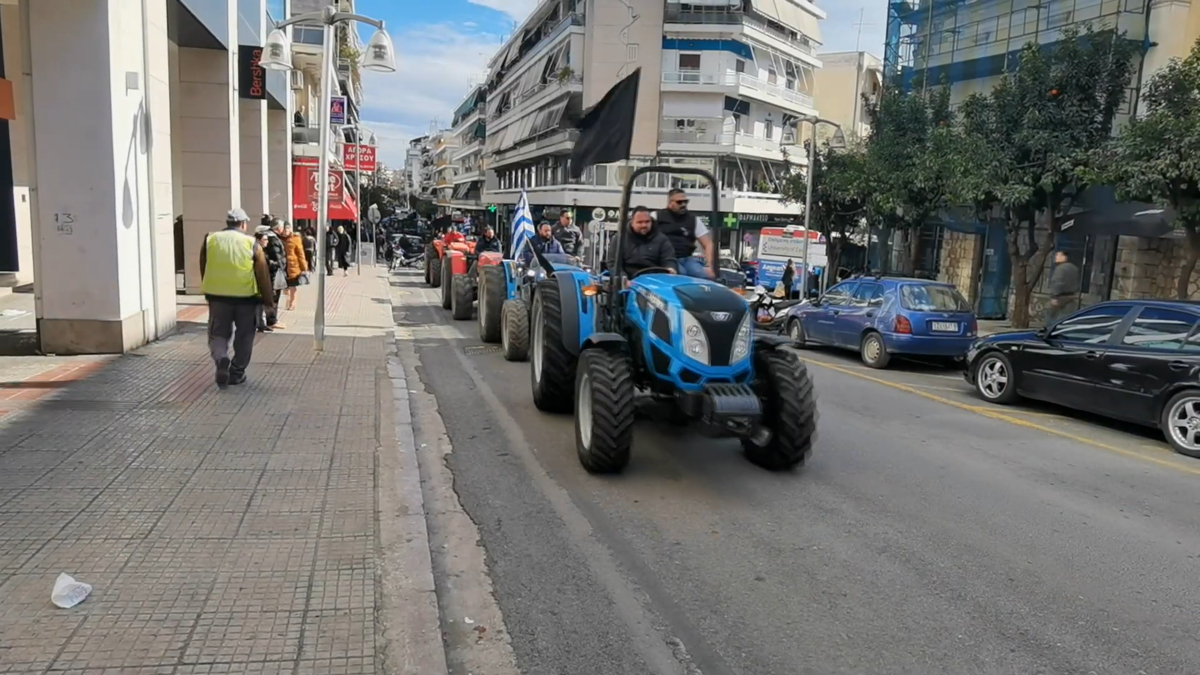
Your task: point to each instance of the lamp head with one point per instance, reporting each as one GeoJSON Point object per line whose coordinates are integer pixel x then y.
{"type": "Point", "coordinates": [277, 52]}
{"type": "Point", "coordinates": [380, 56]}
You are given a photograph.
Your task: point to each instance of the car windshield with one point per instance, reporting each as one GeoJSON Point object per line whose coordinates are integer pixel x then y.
{"type": "Point", "coordinates": [932, 298]}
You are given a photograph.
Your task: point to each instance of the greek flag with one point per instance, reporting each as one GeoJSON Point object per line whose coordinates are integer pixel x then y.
{"type": "Point", "coordinates": [522, 227]}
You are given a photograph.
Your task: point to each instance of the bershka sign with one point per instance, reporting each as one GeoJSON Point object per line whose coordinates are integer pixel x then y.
{"type": "Point", "coordinates": [360, 157]}
{"type": "Point", "coordinates": [252, 78]}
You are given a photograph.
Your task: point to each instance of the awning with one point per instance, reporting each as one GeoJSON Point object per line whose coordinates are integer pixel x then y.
{"type": "Point", "coordinates": [791, 15]}
{"type": "Point", "coordinates": [460, 191]}
{"type": "Point", "coordinates": [304, 195]}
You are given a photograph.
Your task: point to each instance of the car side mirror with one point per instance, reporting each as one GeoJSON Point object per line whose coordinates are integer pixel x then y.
{"type": "Point", "coordinates": [814, 294]}
{"type": "Point", "coordinates": [1043, 333]}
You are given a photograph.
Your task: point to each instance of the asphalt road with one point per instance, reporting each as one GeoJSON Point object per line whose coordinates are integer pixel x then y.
{"type": "Point", "coordinates": [927, 535]}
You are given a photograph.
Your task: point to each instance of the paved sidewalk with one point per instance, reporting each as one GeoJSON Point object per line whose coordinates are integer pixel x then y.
{"type": "Point", "coordinates": [223, 531]}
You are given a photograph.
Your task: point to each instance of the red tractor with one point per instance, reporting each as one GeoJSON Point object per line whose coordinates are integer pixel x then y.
{"type": "Point", "coordinates": [460, 279]}
{"type": "Point", "coordinates": [435, 253]}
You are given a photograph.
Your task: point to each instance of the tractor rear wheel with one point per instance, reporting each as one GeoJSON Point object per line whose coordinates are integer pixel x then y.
{"type": "Point", "coordinates": [604, 411]}
{"type": "Point", "coordinates": [514, 330]}
{"type": "Point", "coordinates": [462, 293]}
{"type": "Point", "coordinates": [492, 289]}
{"type": "Point", "coordinates": [447, 274]}
{"type": "Point", "coordinates": [435, 270]}
{"type": "Point", "coordinates": [789, 402]}
{"type": "Point", "coordinates": [552, 371]}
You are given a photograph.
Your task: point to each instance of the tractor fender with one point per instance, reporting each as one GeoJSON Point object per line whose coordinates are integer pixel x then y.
{"type": "Point", "coordinates": [578, 312]}
{"type": "Point", "coordinates": [490, 258]}
{"type": "Point", "coordinates": [439, 247]}
{"type": "Point", "coordinates": [604, 341]}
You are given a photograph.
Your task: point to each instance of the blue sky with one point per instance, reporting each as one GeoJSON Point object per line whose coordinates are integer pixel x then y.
{"type": "Point", "coordinates": [443, 47]}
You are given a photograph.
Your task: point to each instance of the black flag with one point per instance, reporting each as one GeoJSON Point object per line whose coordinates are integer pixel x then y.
{"type": "Point", "coordinates": [606, 131]}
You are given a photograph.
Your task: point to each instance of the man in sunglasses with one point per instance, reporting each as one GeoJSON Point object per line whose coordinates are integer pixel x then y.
{"type": "Point", "coordinates": [684, 230]}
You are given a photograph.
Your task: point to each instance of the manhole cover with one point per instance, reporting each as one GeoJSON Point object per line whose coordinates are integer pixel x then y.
{"type": "Point", "coordinates": [482, 349]}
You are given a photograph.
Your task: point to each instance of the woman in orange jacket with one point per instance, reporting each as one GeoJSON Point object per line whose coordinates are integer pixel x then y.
{"type": "Point", "coordinates": [297, 264]}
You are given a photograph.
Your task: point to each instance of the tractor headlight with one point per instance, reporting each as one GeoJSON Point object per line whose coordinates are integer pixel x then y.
{"type": "Point", "coordinates": [741, 341]}
{"type": "Point", "coordinates": [695, 342]}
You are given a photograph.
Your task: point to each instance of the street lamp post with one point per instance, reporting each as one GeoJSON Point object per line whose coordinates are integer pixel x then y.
{"type": "Point", "coordinates": [277, 55]}
{"type": "Point", "coordinates": [838, 140]}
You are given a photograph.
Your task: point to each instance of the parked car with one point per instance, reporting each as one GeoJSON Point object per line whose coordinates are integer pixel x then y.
{"type": "Point", "coordinates": [882, 317]}
{"type": "Point", "coordinates": [1136, 361]}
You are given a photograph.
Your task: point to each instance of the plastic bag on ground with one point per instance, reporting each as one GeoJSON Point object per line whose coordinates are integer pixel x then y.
{"type": "Point", "coordinates": [67, 592]}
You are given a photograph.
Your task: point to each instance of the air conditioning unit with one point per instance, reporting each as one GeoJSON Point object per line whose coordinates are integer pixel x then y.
{"type": "Point", "coordinates": [296, 79]}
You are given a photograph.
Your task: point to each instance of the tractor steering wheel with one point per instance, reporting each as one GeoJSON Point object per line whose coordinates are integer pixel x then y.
{"type": "Point", "coordinates": [652, 270]}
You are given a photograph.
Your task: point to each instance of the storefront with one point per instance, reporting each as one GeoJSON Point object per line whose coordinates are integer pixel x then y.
{"type": "Point", "coordinates": [739, 233]}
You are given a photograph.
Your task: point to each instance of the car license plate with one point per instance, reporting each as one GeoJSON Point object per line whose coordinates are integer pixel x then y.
{"type": "Point", "coordinates": [943, 326]}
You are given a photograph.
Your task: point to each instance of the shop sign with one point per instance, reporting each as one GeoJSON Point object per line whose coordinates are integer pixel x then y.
{"type": "Point", "coordinates": [252, 78]}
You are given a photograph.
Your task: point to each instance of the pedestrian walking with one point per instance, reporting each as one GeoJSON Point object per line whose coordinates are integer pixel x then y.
{"type": "Point", "coordinates": [310, 247]}
{"type": "Point", "coordinates": [1064, 288]}
{"type": "Point", "coordinates": [343, 251]}
{"type": "Point", "coordinates": [789, 279]}
{"type": "Point", "coordinates": [331, 246]}
{"type": "Point", "coordinates": [235, 279]}
{"type": "Point", "coordinates": [296, 264]}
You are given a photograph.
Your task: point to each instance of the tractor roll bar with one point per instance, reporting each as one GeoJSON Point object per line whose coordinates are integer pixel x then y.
{"type": "Point", "coordinates": [618, 274]}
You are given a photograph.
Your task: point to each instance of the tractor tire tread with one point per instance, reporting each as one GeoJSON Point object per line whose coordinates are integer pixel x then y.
{"type": "Point", "coordinates": [515, 317]}
{"type": "Point", "coordinates": [789, 411]}
{"type": "Point", "coordinates": [461, 301]}
{"type": "Point", "coordinates": [613, 411]}
{"type": "Point", "coordinates": [492, 288]}
{"type": "Point", "coordinates": [556, 393]}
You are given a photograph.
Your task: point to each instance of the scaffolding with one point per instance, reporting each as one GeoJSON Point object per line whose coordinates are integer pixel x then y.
{"type": "Point", "coordinates": [966, 43]}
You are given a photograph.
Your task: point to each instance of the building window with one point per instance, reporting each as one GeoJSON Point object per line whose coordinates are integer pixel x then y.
{"type": "Point", "coordinates": [740, 66]}
{"type": "Point", "coordinates": [689, 62]}
{"type": "Point", "coordinates": [739, 123]}
{"type": "Point", "coordinates": [769, 130]}
{"type": "Point", "coordinates": [772, 76]}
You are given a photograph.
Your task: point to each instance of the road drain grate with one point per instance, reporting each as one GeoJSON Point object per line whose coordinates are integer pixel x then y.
{"type": "Point", "coordinates": [482, 349]}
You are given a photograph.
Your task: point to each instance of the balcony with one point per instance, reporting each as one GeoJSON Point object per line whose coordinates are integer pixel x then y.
{"type": "Point", "coordinates": [467, 150]}
{"type": "Point", "coordinates": [740, 84]}
{"type": "Point", "coordinates": [721, 142]}
{"type": "Point", "coordinates": [535, 98]}
{"type": "Point", "coordinates": [306, 135]}
{"type": "Point", "coordinates": [726, 20]}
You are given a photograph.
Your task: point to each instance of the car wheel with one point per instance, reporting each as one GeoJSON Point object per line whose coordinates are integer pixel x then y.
{"type": "Point", "coordinates": [795, 331]}
{"type": "Point", "coordinates": [789, 402]}
{"type": "Point", "coordinates": [994, 379]}
{"type": "Point", "coordinates": [874, 351]}
{"type": "Point", "coordinates": [604, 411]}
{"type": "Point", "coordinates": [1180, 422]}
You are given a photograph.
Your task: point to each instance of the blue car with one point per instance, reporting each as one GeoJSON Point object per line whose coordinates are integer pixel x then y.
{"type": "Point", "coordinates": [882, 317]}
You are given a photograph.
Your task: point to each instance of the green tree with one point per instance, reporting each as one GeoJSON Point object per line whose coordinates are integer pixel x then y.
{"type": "Point", "coordinates": [1156, 158]}
{"type": "Point", "coordinates": [841, 192]}
{"type": "Point", "coordinates": [1032, 136]}
{"type": "Point", "coordinates": [918, 168]}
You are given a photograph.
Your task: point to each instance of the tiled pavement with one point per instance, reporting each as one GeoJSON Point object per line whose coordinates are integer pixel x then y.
{"type": "Point", "coordinates": [223, 531]}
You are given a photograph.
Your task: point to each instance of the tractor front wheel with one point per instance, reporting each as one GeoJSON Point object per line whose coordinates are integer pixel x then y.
{"type": "Point", "coordinates": [514, 330]}
{"type": "Point", "coordinates": [461, 296]}
{"type": "Point", "coordinates": [789, 403]}
{"type": "Point", "coordinates": [604, 411]}
{"type": "Point", "coordinates": [447, 274]}
{"type": "Point", "coordinates": [435, 270]}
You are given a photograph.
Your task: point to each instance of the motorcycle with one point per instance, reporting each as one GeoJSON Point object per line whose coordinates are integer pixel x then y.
{"type": "Point", "coordinates": [770, 312]}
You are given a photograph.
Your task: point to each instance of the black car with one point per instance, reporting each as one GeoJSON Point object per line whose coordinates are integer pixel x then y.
{"type": "Point", "coordinates": [1132, 360]}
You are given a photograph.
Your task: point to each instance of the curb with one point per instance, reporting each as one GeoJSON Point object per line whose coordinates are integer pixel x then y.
{"type": "Point", "coordinates": [409, 617]}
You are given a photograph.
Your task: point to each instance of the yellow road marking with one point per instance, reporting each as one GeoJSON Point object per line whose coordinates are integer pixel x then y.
{"type": "Point", "coordinates": [1004, 417]}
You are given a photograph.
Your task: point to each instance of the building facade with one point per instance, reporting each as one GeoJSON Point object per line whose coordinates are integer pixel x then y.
{"type": "Point", "coordinates": [968, 45]}
{"type": "Point", "coordinates": [847, 84]}
{"type": "Point", "coordinates": [468, 129]}
{"type": "Point", "coordinates": [723, 85]}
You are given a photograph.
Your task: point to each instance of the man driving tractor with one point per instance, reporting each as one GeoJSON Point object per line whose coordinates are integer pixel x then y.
{"type": "Point", "coordinates": [543, 243]}
{"type": "Point", "coordinates": [645, 246]}
{"type": "Point", "coordinates": [488, 242]}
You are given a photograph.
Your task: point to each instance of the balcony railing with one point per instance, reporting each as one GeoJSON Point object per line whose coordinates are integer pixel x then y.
{"type": "Point", "coordinates": [738, 19]}
{"type": "Point", "coordinates": [306, 135]}
{"type": "Point", "coordinates": [730, 79]}
{"type": "Point", "coordinates": [720, 138]}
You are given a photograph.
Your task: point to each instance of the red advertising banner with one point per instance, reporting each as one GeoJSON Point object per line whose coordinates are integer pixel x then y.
{"type": "Point", "coordinates": [365, 160]}
{"type": "Point", "coordinates": [305, 190]}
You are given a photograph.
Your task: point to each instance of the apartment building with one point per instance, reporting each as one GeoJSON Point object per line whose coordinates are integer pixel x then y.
{"type": "Point", "coordinates": [968, 45]}
{"type": "Point", "coordinates": [723, 85]}
{"type": "Point", "coordinates": [468, 128]}
{"type": "Point", "coordinates": [443, 145]}
{"type": "Point", "coordinates": [414, 158]}
{"type": "Point", "coordinates": [847, 83]}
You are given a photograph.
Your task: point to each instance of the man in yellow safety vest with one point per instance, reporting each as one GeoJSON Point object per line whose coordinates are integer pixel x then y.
{"type": "Point", "coordinates": [235, 279]}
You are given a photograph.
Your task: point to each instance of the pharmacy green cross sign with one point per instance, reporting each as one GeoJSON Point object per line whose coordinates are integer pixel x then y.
{"type": "Point", "coordinates": [730, 221]}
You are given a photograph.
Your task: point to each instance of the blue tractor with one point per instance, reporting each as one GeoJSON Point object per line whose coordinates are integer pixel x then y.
{"type": "Point", "coordinates": [602, 345]}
